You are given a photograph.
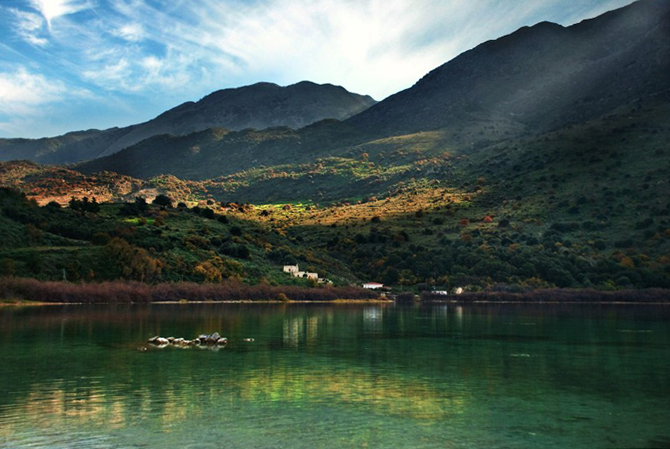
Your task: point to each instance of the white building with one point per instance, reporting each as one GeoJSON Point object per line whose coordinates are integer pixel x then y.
{"type": "Point", "coordinates": [291, 269]}
{"type": "Point", "coordinates": [373, 285]}
{"type": "Point", "coordinates": [294, 270]}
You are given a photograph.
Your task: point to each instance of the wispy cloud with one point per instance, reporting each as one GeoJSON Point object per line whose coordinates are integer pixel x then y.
{"type": "Point", "coordinates": [28, 98]}
{"type": "Point", "coordinates": [22, 91]}
{"type": "Point", "coordinates": [132, 32]}
{"type": "Point", "coordinates": [29, 26]}
{"type": "Point", "coordinates": [371, 46]}
{"type": "Point", "coordinates": [52, 9]}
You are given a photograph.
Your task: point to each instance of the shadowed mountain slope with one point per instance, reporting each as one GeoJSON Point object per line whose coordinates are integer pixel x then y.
{"type": "Point", "coordinates": [259, 106]}
{"type": "Point", "coordinates": [542, 77]}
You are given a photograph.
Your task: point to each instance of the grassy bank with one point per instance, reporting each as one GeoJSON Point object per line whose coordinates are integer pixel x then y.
{"type": "Point", "coordinates": [22, 289]}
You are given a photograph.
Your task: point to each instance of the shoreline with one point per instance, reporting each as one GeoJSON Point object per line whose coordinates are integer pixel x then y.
{"type": "Point", "coordinates": [455, 302]}
{"type": "Point", "coordinates": [25, 291]}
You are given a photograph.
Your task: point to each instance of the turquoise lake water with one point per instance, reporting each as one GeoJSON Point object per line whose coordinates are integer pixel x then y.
{"type": "Point", "coordinates": [345, 376]}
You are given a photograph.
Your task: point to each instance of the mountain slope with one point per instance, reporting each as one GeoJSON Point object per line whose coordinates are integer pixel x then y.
{"type": "Point", "coordinates": [535, 80]}
{"type": "Point", "coordinates": [542, 77]}
{"type": "Point", "coordinates": [258, 106]}
{"type": "Point", "coordinates": [216, 152]}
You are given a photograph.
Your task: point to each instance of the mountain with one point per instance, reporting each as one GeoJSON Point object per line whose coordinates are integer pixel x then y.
{"type": "Point", "coordinates": [538, 79]}
{"type": "Point", "coordinates": [541, 77]}
{"type": "Point", "coordinates": [215, 152]}
{"type": "Point", "coordinates": [259, 106]}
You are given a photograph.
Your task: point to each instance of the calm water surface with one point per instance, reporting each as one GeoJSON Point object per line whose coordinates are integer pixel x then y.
{"type": "Point", "coordinates": [514, 376]}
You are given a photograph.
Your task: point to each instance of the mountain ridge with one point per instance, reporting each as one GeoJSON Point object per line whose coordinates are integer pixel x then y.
{"type": "Point", "coordinates": [534, 80]}
{"type": "Point", "coordinates": [259, 105]}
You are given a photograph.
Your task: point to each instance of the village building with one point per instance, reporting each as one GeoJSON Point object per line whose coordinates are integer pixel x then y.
{"type": "Point", "coordinates": [294, 270]}
{"type": "Point", "coordinates": [291, 268]}
{"type": "Point", "coordinates": [373, 285]}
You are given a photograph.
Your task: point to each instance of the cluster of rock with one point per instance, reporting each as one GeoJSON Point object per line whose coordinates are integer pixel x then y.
{"type": "Point", "coordinates": [202, 340]}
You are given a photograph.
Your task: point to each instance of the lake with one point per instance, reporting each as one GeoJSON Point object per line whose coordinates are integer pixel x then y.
{"type": "Point", "coordinates": [336, 376]}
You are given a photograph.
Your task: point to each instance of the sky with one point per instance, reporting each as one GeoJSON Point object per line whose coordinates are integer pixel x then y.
{"type": "Point", "coordinates": [69, 65]}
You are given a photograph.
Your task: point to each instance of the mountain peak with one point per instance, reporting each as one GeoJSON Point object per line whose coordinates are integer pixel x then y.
{"type": "Point", "coordinates": [260, 105]}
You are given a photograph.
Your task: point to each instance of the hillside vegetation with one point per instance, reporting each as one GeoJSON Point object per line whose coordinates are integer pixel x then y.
{"type": "Point", "coordinates": [497, 170]}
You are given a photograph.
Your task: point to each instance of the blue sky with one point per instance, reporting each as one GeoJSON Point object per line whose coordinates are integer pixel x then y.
{"type": "Point", "coordinates": [68, 65]}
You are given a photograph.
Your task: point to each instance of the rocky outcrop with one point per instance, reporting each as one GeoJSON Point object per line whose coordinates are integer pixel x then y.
{"type": "Point", "coordinates": [202, 340]}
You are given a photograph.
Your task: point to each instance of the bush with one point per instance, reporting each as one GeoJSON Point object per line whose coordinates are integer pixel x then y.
{"type": "Point", "coordinates": [162, 200]}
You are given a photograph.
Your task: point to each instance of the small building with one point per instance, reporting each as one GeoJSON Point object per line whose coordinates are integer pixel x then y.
{"type": "Point", "coordinates": [440, 292]}
{"type": "Point", "coordinates": [458, 291]}
{"type": "Point", "coordinates": [373, 285]}
{"type": "Point", "coordinates": [291, 268]}
{"type": "Point", "coordinates": [294, 270]}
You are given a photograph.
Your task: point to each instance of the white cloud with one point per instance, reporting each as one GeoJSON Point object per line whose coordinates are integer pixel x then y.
{"type": "Point", "coordinates": [21, 92]}
{"type": "Point", "coordinates": [29, 26]}
{"type": "Point", "coordinates": [23, 96]}
{"type": "Point", "coordinates": [28, 101]}
{"type": "Point", "coordinates": [132, 32]}
{"type": "Point", "coordinates": [52, 9]}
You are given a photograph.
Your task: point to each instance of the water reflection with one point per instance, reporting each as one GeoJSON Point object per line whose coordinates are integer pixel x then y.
{"type": "Point", "coordinates": [483, 373]}
{"type": "Point", "coordinates": [373, 319]}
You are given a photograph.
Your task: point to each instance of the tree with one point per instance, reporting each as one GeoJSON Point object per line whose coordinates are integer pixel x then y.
{"type": "Point", "coordinates": [162, 201]}
{"type": "Point", "coordinates": [74, 204]}
{"type": "Point", "coordinates": [93, 206]}
{"type": "Point", "coordinates": [141, 204]}
{"type": "Point", "coordinates": [133, 262]}
{"type": "Point", "coordinates": [209, 272]}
